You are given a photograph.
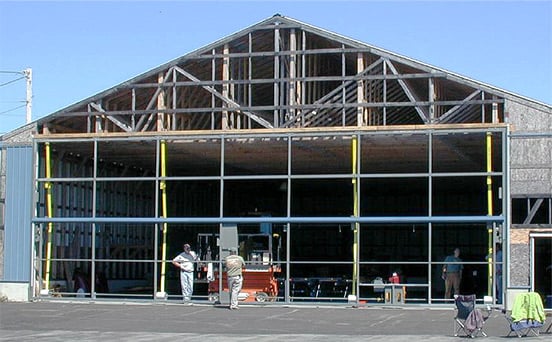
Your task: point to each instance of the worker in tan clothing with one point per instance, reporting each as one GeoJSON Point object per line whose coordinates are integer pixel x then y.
{"type": "Point", "coordinates": [234, 264]}
{"type": "Point", "coordinates": [452, 273]}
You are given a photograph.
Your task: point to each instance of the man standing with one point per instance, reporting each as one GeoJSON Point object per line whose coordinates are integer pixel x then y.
{"type": "Point", "coordinates": [452, 273]}
{"type": "Point", "coordinates": [234, 264]}
{"type": "Point", "coordinates": [185, 262]}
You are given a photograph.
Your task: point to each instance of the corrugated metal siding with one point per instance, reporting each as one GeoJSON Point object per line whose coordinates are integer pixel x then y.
{"type": "Point", "coordinates": [19, 191]}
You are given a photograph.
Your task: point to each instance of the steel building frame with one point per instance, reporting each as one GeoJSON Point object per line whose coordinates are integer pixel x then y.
{"type": "Point", "coordinates": [286, 220]}
{"type": "Point", "coordinates": [278, 79]}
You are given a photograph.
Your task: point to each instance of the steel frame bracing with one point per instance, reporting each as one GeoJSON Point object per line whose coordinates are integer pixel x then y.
{"type": "Point", "coordinates": [134, 224]}
{"type": "Point", "coordinates": [278, 102]}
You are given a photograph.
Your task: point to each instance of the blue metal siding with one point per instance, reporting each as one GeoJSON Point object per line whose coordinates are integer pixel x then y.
{"type": "Point", "coordinates": [19, 192]}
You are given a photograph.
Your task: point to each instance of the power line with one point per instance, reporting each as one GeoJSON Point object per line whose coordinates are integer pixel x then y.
{"type": "Point", "coordinates": [12, 81]}
{"type": "Point", "coordinates": [14, 101]}
{"type": "Point", "coordinates": [26, 74]}
{"type": "Point", "coordinates": [11, 110]}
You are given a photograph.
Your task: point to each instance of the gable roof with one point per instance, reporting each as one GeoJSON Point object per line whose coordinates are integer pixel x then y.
{"type": "Point", "coordinates": [281, 72]}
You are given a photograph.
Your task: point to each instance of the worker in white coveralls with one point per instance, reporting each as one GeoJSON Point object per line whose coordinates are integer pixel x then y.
{"type": "Point", "coordinates": [185, 262]}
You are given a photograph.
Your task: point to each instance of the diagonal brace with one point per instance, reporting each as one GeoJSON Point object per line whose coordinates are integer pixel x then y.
{"type": "Point", "coordinates": [229, 101]}
{"type": "Point", "coordinates": [533, 211]}
{"type": "Point", "coordinates": [332, 93]}
{"type": "Point", "coordinates": [454, 109]}
{"type": "Point", "coordinates": [120, 124]}
{"type": "Point", "coordinates": [407, 91]}
{"type": "Point", "coordinates": [150, 104]}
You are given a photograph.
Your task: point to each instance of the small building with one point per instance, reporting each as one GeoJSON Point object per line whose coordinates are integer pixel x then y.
{"type": "Point", "coordinates": [344, 167]}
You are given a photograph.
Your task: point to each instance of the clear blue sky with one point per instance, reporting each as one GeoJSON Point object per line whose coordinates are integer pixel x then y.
{"type": "Point", "coordinates": [77, 49]}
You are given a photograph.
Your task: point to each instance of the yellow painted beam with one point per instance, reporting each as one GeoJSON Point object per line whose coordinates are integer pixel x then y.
{"type": "Point", "coordinates": [163, 187]}
{"type": "Point", "coordinates": [489, 141]}
{"type": "Point", "coordinates": [354, 147]}
{"type": "Point", "coordinates": [49, 214]}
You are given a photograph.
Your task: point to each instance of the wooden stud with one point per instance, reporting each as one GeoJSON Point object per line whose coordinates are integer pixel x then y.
{"type": "Point", "coordinates": [360, 90]}
{"type": "Point", "coordinates": [276, 76]}
{"type": "Point", "coordinates": [225, 77]}
{"type": "Point", "coordinates": [249, 77]}
{"type": "Point", "coordinates": [343, 91]}
{"type": "Point", "coordinates": [384, 93]}
{"type": "Point", "coordinates": [292, 74]}
{"type": "Point", "coordinates": [495, 110]}
{"type": "Point", "coordinates": [160, 103]}
{"type": "Point", "coordinates": [133, 108]}
{"type": "Point", "coordinates": [213, 78]}
{"type": "Point", "coordinates": [482, 107]}
{"type": "Point", "coordinates": [172, 124]}
{"type": "Point", "coordinates": [431, 99]}
{"type": "Point", "coordinates": [301, 90]}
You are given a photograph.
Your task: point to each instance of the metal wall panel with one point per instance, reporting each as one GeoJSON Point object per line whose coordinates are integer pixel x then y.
{"type": "Point", "coordinates": [19, 191]}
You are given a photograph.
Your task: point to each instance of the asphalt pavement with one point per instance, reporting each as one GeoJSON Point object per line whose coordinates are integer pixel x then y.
{"type": "Point", "coordinates": [171, 321]}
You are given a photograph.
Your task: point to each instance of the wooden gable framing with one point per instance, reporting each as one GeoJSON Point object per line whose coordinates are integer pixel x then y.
{"type": "Point", "coordinates": [282, 73]}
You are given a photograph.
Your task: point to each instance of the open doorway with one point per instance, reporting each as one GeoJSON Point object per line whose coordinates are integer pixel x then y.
{"type": "Point", "coordinates": [541, 270]}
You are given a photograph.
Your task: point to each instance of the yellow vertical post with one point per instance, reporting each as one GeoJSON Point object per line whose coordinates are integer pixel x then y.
{"type": "Point", "coordinates": [49, 214]}
{"type": "Point", "coordinates": [489, 138]}
{"type": "Point", "coordinates": [163, 187]}
{"type": "Point", "coordinates": [355, 212]}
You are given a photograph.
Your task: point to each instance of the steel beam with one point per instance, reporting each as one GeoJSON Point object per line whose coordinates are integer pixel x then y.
{"type": "Point", "coordinates": [278, 220]}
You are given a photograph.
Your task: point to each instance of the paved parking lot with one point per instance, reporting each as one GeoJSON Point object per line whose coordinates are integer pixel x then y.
{"type": "Point", "coordinates": [104, 321]}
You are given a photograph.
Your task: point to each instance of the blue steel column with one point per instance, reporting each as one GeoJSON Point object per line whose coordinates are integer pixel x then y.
{"type": "Point", "coordinates": [490, 227]}
{"type": "Point", "coordinates": [93, 242]}
{"type": "Point", "coordinates": [156, 209]}
{"type": "Point", "coordinates": [288, 225]}
{"type": "Point", "coordinates": [94, 208]}
{"type": "Point", "coordinates": [356, 183]}
{"type": "Point", "coordinates": [506, 205]}
{"type": "Point", "coordinates": [221, 179]}
{"type": "Point", "coordinates": [359, 160]}
{"type": "Point", "coordinates": [221, 207]}
{"type": "Point", "coordinates": [430, 213]}
{"type": "Point", "coordinates": [35, 254]}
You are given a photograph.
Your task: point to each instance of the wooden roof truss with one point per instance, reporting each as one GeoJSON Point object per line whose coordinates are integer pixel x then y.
{"type": "Point", "coordinates": [282, 73]}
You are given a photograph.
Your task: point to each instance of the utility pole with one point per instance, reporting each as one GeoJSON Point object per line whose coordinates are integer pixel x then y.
{"type": "Point", "coordinates": [29, 104]}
